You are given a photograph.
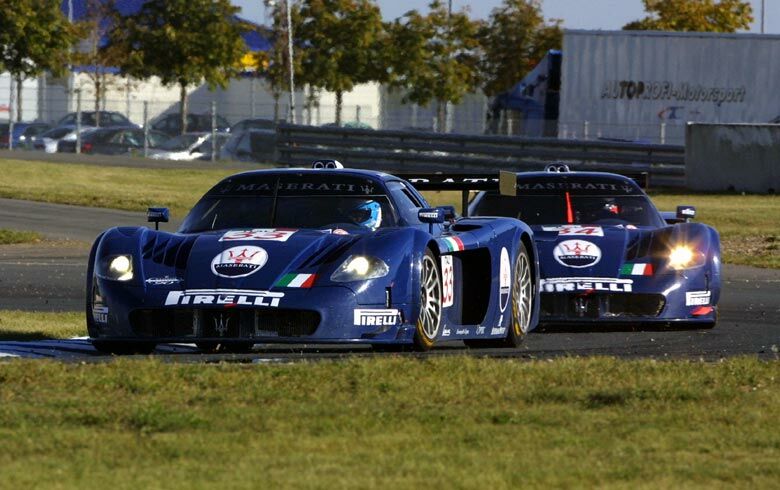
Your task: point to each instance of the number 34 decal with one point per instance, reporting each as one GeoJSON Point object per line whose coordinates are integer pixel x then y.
{"type": "Point", "coordinates": [267, 234]}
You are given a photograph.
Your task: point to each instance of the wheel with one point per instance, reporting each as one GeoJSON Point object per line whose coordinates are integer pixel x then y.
{"type": "Point", "coordinates": [522, 298]}
{"type": "Point", "coordinates": [123, 348]}
{"type": "Point", "coordinates": [522, 304]}
{"type": "Point", "coordinates": [429, 321]}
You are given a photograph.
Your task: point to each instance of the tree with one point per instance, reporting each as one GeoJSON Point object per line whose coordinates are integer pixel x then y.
{"type": "Point", "coordinates": [694, 16]}
{"type": "Point", "coordinates": [342, 42]}
{"type": "Point", "coordinates": [182, 42]}
{"type": "Point", "coordinates": [94, 51]}
{"type": "Point", "coordinates": [34, 37]}
{"type": "Point", "coordinates": [514, 40]}
{"type": "Point", "coordinates": [435, 57]}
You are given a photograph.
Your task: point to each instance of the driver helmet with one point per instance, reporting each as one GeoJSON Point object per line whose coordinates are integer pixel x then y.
{"type": "Point", "coordinates": [367, 214]}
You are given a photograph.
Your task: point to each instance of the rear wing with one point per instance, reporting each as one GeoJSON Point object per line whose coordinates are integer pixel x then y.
{"type": "Point", "coordinates": [503, 181]}
{"type": "Point", "coordinates": [463, 182]}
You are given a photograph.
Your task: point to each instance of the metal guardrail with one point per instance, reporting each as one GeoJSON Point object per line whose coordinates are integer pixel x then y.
{"type": "Point", "coordinates": [425, 152]}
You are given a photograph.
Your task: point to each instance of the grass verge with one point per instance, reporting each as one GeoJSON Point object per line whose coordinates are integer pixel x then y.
{"type": "Point", "coordinates": [749, 225]}
{"type": "Point", "coordinates": [391, 422]}
{"type": "Point", "coordinates": [25, 325]}
{"type": "Point", "coordinates": [11, 237]}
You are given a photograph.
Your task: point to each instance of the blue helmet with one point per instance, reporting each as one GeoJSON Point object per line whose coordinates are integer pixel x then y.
{"type": "Point", "coordinates": [367, 214]}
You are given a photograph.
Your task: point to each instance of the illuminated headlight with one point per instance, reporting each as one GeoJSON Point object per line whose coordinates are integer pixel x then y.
{"type": "Point", "coordinates": [360, 267]}
{"type": "Point", "coordinates": [683, 257]}
{"type": "Point", "coordinates": [120, 268]}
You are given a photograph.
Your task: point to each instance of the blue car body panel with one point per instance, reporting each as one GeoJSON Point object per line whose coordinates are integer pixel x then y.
{"type": "Point", "coordinates": [276, 284]}
{"type": "Point", "coordinates": [613, 272]}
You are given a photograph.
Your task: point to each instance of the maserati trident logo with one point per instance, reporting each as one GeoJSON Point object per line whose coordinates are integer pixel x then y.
{"type": "Point", "coordinates": [577, 253]}
{"type": "Point", "coordinates": [221, 324]}
{"type": "Point", "coordinates": [239, 261]}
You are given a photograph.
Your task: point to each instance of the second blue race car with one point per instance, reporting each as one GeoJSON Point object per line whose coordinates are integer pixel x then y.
{"type": "Point", "coordinates": [607, 255]}
{"type": "Point", "coordinates": [313, 256]}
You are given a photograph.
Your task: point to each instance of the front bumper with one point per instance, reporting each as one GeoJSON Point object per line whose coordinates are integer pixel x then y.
{"type": "Point", "coordinates": [290, 315]}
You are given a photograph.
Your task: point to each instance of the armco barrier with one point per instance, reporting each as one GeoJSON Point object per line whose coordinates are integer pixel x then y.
{"type": "Point", "coordinates": [421, 151]}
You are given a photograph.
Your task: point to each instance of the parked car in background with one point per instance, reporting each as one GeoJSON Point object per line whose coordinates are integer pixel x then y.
{"type": "Point", "coordinates": [188, 146]}
{"type": "Point", "coordinates": [90, 118]}
{"type": "Point", "coordinates": [49, 140]}
{"type": "Point", "coordinates": [253, 145]}
{"type": "Point", "coordinates": [170, 124]}
{"type": "Point", "coordinates": [23, 133]}
{"type": "Point", "coordinates": [114, 141]}
{"type": "Point", "coordinates": [254, 123]}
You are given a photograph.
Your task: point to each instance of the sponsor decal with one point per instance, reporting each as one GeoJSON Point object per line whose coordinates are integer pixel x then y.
{"type": "Point", "coordinates": [226, 297]}
{"type": "Point", "coordinates": [498, 331]}
{"type": "Point", "coordinates": [480, 330]}
{"type": "Point", "coordinates": [688, 212]}
{"type": "Point", "coordinates": [447, 281]}
{"type": "Point", "coordinates": [504, 279]}
{"type": "Point", "coordinates": [697, 298]}
{"type": "Point", "coordinates": [390, 316]}
{"type": "Point", "coordinates": [319, 187]}
{"type": "Point", "coordinates": [162, 281]}
{"type": "Point", "coordinates": [100, 314]}
{"type": "Point", "coordinates": [569, 230]}
{"type": "Point", "coordinates": [574, 186]}
{"type": "Point", "coordinates": [576, 284]}
{"type": "Point", "coordinates": [577, 253]}
{"type": "Point", "coordinates": [671, 90]}
{"type": "Point", "coordinates": [296, 281]}
{"type": "Point", "coordinates": [430, 214]}
{"type": "Point", "coordinates": [221, 324]}
{"type": "Point", "coordinates": [446, 332]}
{"type": "Point", "coordinates": [636, 270]}
{"type": "Point", "coordinates": [462, 331]}
{"type": "Point", "coordinates": [239, 261]}
{"type": "Point", "coordinates": [267, 234]}
{"type": "Point", "coordinates": [453, 244]}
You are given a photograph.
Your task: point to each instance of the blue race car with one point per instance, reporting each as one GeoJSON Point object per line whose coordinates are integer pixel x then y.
{"type": "Point", "coordinates": [616, 259]}
{"type": "Point", "coordinates": [321, 255]}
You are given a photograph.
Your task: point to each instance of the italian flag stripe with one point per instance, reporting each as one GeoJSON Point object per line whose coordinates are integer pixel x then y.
{"type": "Point", "coordinates": [296, 281]}
{"type": "Point", "coordinates": [637, 270]}
{"type": "Point", "coordinates": [454, 244]}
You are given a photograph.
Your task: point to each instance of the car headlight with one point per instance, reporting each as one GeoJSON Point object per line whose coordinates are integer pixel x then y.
{"type": "Point", "coordinates": [684, 257]}
{"type": "Point", "coordinates": [360, 267]}
{"type": "Point", "coordinates": [120, 268]}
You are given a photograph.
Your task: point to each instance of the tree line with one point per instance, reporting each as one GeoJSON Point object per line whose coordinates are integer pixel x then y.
{"type": "Point", "coordinates": [437, 56]}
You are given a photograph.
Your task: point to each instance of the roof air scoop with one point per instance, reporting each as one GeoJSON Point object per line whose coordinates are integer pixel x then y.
{"type": "Point", "coordinates": [329, 164]}
{"type": "Point", "coordinates": [557, 168]}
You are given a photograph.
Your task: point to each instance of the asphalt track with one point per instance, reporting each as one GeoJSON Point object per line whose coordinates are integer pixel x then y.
{"type": "Point", "coordinates": [50, 277]}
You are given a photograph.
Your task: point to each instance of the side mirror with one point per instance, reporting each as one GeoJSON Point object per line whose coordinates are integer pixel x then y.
{"type": "Point", "coordinates": [431, 215]}
{"type": "Point", "coordinates": [157, 216]}
{"type": "Point", "coordinates": [686, 213]}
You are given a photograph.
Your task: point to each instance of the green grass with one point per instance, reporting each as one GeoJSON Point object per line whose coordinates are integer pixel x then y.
{"type": "Point", "coordinates": [391, 422]}
{"type": "Point", "coordinates": [25, 325]}
{"type": "Point", "coordinates": [749, 225]}
{"type": "Point", "coordinates": [11, 237]}
{"type": "Point", "coordinates": [132, 189]}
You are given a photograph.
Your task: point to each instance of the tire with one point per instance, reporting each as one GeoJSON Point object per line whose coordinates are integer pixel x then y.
{"type": "Point", "coordinates": [429, 319]}
{"type": "Point", "coordinates": [522, 298]}
{"type": "Point", "coordinates": [123, 348]}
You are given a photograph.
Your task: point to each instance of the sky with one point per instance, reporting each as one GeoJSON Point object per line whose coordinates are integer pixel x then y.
{"type": "Point", "coordinates": [576, 14]}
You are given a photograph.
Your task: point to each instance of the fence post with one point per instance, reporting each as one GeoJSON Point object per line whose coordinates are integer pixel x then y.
{"type": "Point", "coordinates": [11, 107]}
{"type": "Point", "coordinates": [585, 128]}
{"type": "Point", "coordinates": [213, 130]}
{"type": "Point", "coordinates": [357, 113]}
{"type": "Point", "coordinates": [146, 128]}
{"type": "Point", "coordinates": [78, 120]}
{"type": "Point", "coordinates": [509, 126]}
{"type": "Point", "coordinates": [662, 136]}
{"type": "Point", "coordinates": [414, 115]}
{"type": "Point", "coordinates": [252, 97]}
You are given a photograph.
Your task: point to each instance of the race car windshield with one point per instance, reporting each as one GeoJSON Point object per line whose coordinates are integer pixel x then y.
{"type": "Point", "coordinates": [351, 213]}
{"type": "Point", "coordinates": [571, 208]}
